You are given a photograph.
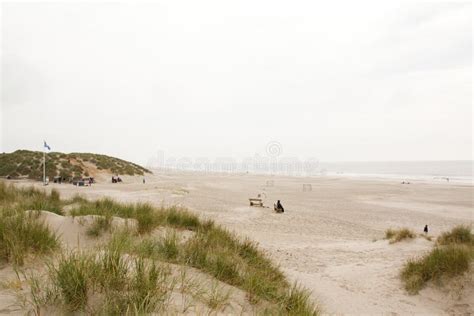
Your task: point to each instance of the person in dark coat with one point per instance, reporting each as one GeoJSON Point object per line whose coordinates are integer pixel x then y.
{"type": "Point", "coordinates": [280, 207]}
{"type": "Point", "coordinates": [425, 229]}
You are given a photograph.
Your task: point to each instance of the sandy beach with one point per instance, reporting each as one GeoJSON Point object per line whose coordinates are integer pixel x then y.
{"type": "Point", "coordinates": [329, 239]}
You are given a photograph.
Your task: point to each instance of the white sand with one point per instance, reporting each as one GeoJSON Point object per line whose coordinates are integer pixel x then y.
{"type": "Point", "coordinates": [325, 239]}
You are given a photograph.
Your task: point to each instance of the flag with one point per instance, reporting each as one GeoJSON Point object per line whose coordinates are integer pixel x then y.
{"type": "Point", "coordinates": [46, 145]}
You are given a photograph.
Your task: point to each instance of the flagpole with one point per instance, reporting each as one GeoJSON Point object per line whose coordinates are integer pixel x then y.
{"type": "Point", "coordinates": [44, 166]}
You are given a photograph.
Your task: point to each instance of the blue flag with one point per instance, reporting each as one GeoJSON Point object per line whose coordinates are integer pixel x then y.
{"type": "Point", "coordinates": [46, 145]}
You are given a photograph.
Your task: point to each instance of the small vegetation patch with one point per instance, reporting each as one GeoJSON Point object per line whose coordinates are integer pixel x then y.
{"type": "Point", "coordinates": [447, 261]}
{"type": "Point", "coordinates": [147, 216]}
{"type": "Point", "coordinates": [100, 225]}
{"type": "Point", "coordinates": [21, 232]}
{"type": "Point", "coordinates": [396, 235]}
{"type": "Point", "coordinates": [30, 198]}
{"type": "Point", "coordinates": [458, 235]}
{"type": "Point", "coordinates": [452, 257]}
{"type": "Point", "coordinates": [124, 286]}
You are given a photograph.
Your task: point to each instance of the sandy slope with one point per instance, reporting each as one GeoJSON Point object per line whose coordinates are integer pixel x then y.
{"type": "Point", "coordinates": [191, 288]}
{"type": "Point", "coordinates": [325, 239]}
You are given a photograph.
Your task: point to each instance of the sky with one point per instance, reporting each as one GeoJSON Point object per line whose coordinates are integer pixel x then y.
{"type": "Point", "coordinates": [334, 80]}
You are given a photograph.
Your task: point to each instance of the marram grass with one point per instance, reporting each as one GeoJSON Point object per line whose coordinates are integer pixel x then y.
{"type": "Point", "coordinates": [139, 284]}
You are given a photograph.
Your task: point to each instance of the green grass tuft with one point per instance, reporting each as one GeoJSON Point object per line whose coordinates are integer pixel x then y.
{"type": "Point", "coordinates": [71, 277]}
{"type": "Point", "coordinates": [447, 261]}
{"type": "Point", "coordinates": [297, 302]}
{"type": "Point", "coordinates": [22, 233]}
{"type": "Point", "coordinates": [100, 225]}
{"type": "Point", "coordinates": [458, 235]}
{"type": "Point", "coordinates": [168, 246]}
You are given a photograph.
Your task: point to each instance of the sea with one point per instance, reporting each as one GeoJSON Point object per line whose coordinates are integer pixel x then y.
{"type": "Point", "coordinates": [442, 171]}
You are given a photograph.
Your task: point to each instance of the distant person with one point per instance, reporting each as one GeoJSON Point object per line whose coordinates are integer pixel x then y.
{"type": "Point", "coordinates": [143, 180]}
{"type": "Point", "coordinates": [279, 207]}
{"type": "Point", "coordinates": [425, 229]}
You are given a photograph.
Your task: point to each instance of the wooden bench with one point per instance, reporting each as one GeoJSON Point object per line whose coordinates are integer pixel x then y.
{"type": "Point", "coordinates": [256, 201]}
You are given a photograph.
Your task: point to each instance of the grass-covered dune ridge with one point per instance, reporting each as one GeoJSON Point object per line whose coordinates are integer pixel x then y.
{"type": "Point", "coordinates": [25, 163]}
{"type": "Point", "coordinates": [451, 257]}
{"type": "Point", "coordinates": [131, 271]}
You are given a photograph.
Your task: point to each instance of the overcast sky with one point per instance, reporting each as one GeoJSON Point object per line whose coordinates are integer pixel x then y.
{"type": "Point", "coordinates": [353, 80]}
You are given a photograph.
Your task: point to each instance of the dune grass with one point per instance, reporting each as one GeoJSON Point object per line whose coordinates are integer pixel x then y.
{"type": "Point", "coordinates": [100, 225]}
{"type": "Point", "coordinates": [147, 216]}
{"type": "Point", "coordinates": [211, 249]}
{"type": "Point", "coordinates": [77, 279]}
{"type": "Point", "coordinates": [447, 261]}
{"type": "Point", "coordinates": [143, 288]}
{"type": "Point", "coordinates": [458, 235]}
{"type": "Point", "coordinates": [30, 199]}
{"type": "Point", "coordinates": [452, 257]}
{"type": "Point", "coordinates": [22, 234]}
{"type": "Point", "coordinates": [397, 235]}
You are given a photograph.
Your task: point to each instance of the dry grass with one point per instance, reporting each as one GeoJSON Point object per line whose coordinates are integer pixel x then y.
{"type": "Point", "coordinates": [397, 235]}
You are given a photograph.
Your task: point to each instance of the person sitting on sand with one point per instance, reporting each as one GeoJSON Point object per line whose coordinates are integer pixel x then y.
{"type": "Point", "coordinates": [279, 207]}
{"type": "Point", "coordinates": [425, 229]}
